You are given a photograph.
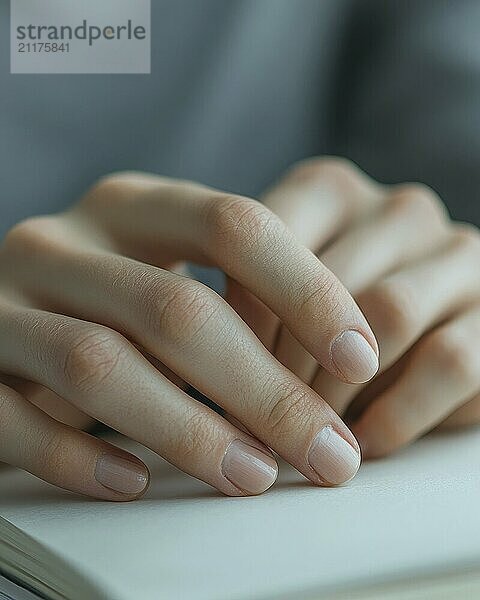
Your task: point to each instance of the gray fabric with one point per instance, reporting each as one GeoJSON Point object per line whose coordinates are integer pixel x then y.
{"type": "Point", "coordinates": [240, 89]}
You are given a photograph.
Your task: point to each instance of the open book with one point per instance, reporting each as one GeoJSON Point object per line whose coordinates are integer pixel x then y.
{"type": "Point", "coordinates": [405, 527]}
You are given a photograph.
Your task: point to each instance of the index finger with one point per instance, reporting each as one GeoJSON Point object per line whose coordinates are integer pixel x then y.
{"type": "Point", "coordinates": [149, 217]}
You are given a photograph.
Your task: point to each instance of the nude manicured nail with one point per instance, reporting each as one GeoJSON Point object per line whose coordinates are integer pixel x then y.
{"type": "Point", "coordinates": [248, 468]}
{"type": "Point", "coordinates": [121, 475]}
{"type": "Point", "coordinates": [332, 457]}
{"type": "Point", "coordinates": [353, 356]}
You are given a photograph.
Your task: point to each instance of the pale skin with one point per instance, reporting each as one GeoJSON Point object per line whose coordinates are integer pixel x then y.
{"type": "Point", "coordinates": [333, 278]}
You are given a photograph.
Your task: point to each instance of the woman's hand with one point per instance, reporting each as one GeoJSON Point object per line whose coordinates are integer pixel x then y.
{"type": "Point", "coordinates": [416, 276]}
{"type": "Point", "coordinates": [93, 312]}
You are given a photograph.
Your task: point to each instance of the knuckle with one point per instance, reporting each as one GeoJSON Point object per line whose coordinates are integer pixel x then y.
{"type": "Point", "coordinates": [184, 313]}
{"type": "Point", "coordinates": [112, 182]}
{"type": "Point", "coordinates": [419, 200]}
{"type": "Point", "coordinates": [467, 237]}
{"type": "Point", "coordinates": [93, 357]}
{"type": "Point", "coordinates": [8, 410]}
{"type": "Point", "coordinates": [29, 235]}
{"type": "Point", "coordinates": [327, 168]}
{"type": "Point", "coordinates": [51, 452]}
{"type": "Point", "coordinates": [452, 355]}
{"type": "Point", "coordinates": [234, 221]}
{"type": "Point", "coordinates": [198, 438]}
{"type": "Point", "coordinates": [110, 188]}
{"type": "Point", "coordinates": [391, 306]}
{"type": "Point", "coordinates": [287, 407]}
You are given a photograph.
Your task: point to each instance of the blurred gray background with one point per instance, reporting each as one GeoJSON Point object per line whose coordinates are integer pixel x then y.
{"type": "Point", "coordinates": [241, 89]}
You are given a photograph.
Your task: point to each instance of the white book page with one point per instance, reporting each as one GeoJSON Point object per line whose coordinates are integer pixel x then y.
{"type": "Point", "coordinates": [417, 512]}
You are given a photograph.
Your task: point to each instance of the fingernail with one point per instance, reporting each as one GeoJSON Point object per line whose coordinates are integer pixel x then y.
{"type": "Point", "coordinates": [332, 457]}
{"type": "Point", "coordinates": [248, 468]}
{"type": "Point", "coordinates": [121, 475]}
{"type": "Point", "coordinates": [353, 356]}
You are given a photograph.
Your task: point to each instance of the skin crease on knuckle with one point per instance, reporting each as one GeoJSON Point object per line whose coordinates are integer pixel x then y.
{"type": "Point", "coordinates": [52, 453]}
{"type": "Point", "coordinates": [198, 438]}
{"type": "Point", "coordinates": [236, 227]}
{"type": "Point", "coordinates": [7, 417]}
{"type": "Point", "coordinates": [92, 358]}
{"type": "Point", "coordinates": [210, 448]}
{"type": "Point", "coordinates": [311, 301]}
{"type": "Point", "coordinates": [287, 408]}
{"type": "Point", "coordinates": [180, 317]}
{"type": "Point", "coordinates": [322, 452]}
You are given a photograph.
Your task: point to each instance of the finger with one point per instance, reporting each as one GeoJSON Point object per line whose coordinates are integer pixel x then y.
{"type": "Point", "coordinates": [441, 373]}
{"type": "Point", "coordinates": [98, 371]}
{"type": "Point", "coordinates": [371, 248]}
{"type": "Point", "coordinates": [468, 414]}
{"type": "Point", "coordinates": [293, 355]}
{"type": "Point", "coordinates": [49, 402]}
{"type": "Point", "coordinates": [254, 312]}
{"type": "Point", "coordinates": [374, 247]}
{"type": "Point", "coordinates": [64, 456]}
{"type": "Point", "coordinates": [315, 199]}
{"type": "Point", "coordinates": [270, 331]}
{"type": "Point", "coordinates": [252, 246]}
{"type": "Point", "coordinates": [173, 377]}
{"type": "Point", "coordinates": [318, 197]}
{"type": "Point", "coordinates": [408, 302]}
{"type": "Point", "coordinates": [193, 331]}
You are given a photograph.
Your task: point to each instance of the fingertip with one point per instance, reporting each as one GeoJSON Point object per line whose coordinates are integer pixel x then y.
{"type": "Point", "coordinates": [333, 458]}
{"type": "Point", "coordinates": [122, 474]}
{"type": "Point", "coordinates": [354, 357]}
{"type": "Point", "coordinates": [248, 468]}
{"type": "Point", "coordinates": [372, 445]}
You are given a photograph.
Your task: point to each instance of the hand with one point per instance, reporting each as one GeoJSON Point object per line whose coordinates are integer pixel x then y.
{"type": "Point", "coordinates": [416, 276]}
{"type": "Point", "coordinates": [93, 312]}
